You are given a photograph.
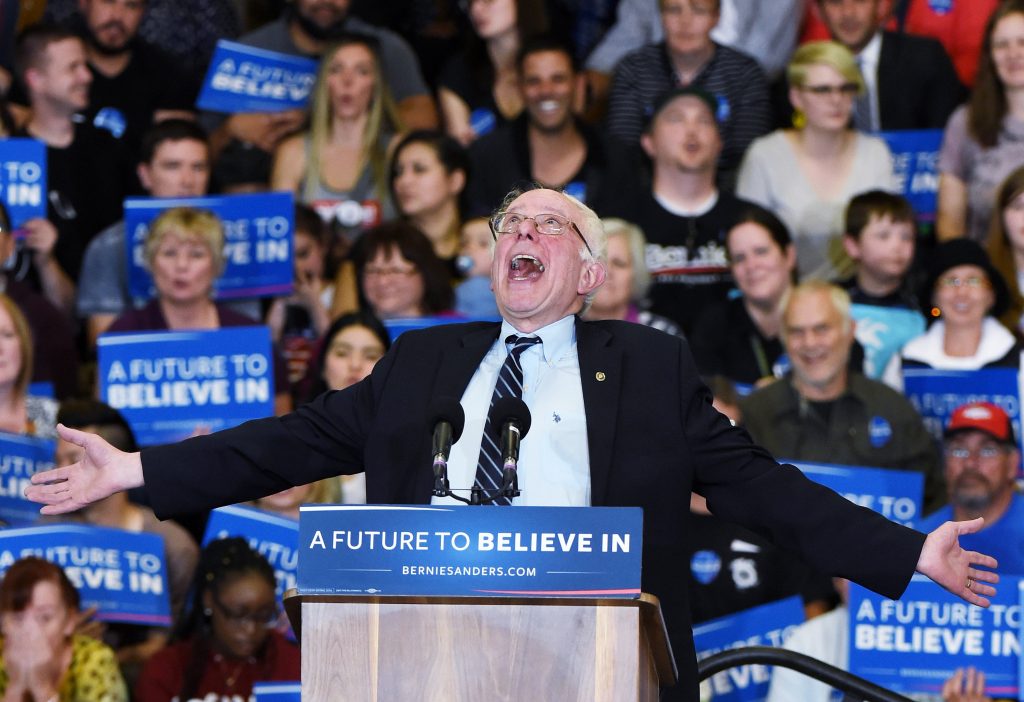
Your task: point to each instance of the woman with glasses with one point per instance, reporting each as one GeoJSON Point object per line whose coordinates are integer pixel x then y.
{"type": "Point", "coordinates": [227, 642]}
{"type": "Point", "coordinates": [967, 295]}
{"type": "Point", "coordinates": [984, 139]}
{"type": "Point", "coordinates": [807, 174]}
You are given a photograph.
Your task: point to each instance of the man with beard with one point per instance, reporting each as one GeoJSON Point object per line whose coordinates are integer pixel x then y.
{"type": "Point", "coordinates": [307, 28]}
{"type": "Point", "coordinates": [982, 460]}
{"type": "Point", "coordinates": [134, 84]}
{"type": "Point", "coordinates": [547, 143]}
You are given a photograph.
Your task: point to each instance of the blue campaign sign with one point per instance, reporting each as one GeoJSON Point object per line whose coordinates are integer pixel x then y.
{"type": "Point", "coordinates": [277, 691]}
{"type": "Point", "coordinates": [277, 538]}
{"type": "Point", "coordinates": [168, 384]}
{"type": "Point", "coordinates": [23, 179]}
{"type": "Point", "coordinates": [914, 644]}
{"type": "Point", "coordinates": [767, 625]}
{"type": "Point", "coordinates": [484, 551]}
{"type": "Point", "coordinates": [20, 457]}
{"type": "Point", "coordinates": [915, 156]}
{"type": "Point", "coordinates": [883, 331]}
{"type": "Point", "coordinates": [397, 327]}
{"type": "Point", "coordinates": [257, 241]}
{"type": "Point", "coordinates": [246, 79]}
{"type": "Point", "coordinates": [895, 494]}
{"type": "Point", "coordinates": [936, 393]}
{"type": "Point", "coordinates": [121, 573]}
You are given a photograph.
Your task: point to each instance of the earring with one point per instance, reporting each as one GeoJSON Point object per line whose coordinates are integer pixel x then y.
{"type": "Point", "coordinates": [207, 612]}
{"type": "Point", "coordinates": [799, 119]}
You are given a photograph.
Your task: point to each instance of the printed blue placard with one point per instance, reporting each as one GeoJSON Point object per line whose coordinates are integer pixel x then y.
{"type": "Point", "coordinates": [23, 179]}
{"type": "Point", "coordinates": [397, 327]}
{"type": "Point", "coordinates": [276, 537]}
{"type": "Point", "coordinates": [257, 241]}
{"type": "Point", "coordinates": [489, 552]}
{"type": "Point", "coordinates": [168, 384]}
{"type": "Point", "coordinates": [936, 393]}
{"type": "Point", "coordinates": [895, 494]}
{"type": "Point", "coordinates": [246, 79]}
{"type": "Point", "coordinates": [20, 457]}
{"type": "Point", "coordinates": [122, 574]}
{"type": "Point", "coordinates": [883, 331]}
{"type": "Point", "coordinates": [915, 156]}
{"type": "Point", "coordinates": [914, 644]}
{"type": "Point", "coordinates": [277, 691]}
{"type": "Point", "coordinates": [767, 625]}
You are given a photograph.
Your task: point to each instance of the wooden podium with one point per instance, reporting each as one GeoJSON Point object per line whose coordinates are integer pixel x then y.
{"type": "Point", "coordinates": [391, 649]}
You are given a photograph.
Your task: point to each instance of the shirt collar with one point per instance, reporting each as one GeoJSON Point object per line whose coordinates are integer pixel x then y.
{"type": "Point", "coordinates": [557, 337]}
{"type": "Point", "coordinates": [870, 54]}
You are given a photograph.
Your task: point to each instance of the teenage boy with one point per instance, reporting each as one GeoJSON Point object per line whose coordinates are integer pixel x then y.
{"type": "Point", "coordinates": [880, 237]}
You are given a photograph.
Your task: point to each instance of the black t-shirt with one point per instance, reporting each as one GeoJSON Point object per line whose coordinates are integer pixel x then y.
{"type": "Point", "coordinates": [725, 341]}
{"type": "Point", "coordinates": [685, 255]}
{"type": "Point", "coordinates": [473, 82]}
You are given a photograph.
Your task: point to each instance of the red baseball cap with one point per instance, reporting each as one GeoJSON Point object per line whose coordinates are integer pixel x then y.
{"type": "Point", "coordinates": [982, 416]}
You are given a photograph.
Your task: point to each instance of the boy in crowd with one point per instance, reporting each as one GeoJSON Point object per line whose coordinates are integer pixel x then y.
{"type": "Point", "coordinates": [880, 237]}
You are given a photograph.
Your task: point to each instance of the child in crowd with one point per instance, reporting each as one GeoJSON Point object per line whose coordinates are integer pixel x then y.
{"type": "Point", "coordinates": [880, 238]}
{"type": "Point", "coordinates": [473, 296]}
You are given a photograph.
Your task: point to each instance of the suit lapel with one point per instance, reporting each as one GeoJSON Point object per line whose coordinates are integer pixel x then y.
{"type": "Point", "coordinates": [601, 378]}
{"type": "Point", "coordinates": [885, 84]}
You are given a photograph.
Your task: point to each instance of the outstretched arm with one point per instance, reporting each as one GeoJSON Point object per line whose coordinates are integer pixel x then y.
{"type": "Point", "coordinates": [949, 565]}
{"type": "Point", "coordinates": [103, 471]}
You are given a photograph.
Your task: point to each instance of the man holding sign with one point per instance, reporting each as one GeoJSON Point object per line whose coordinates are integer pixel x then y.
{"type": "Point", "coordinates": [621, 418]}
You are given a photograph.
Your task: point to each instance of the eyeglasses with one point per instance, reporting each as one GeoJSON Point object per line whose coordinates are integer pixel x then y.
{"type": "Point", "coordinates": [547, 224]}
{"type": "Point", "coordinates": [985, 453]}
{"type": "Point", "coordinates": [385, 272]}
{"type": "Point", "coordinates": [262, 618]}
{"type": "Point", "coordinates": [846, 89]}
{"type": "Point", "coordinates": [971, 281]}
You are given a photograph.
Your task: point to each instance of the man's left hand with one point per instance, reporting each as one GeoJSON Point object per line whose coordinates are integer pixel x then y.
{"type": "Point", "coordinates": [945, 562]}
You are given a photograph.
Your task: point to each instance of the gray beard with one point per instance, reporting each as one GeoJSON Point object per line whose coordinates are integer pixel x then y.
{"type": "Point", "coordinates": [972, 503]}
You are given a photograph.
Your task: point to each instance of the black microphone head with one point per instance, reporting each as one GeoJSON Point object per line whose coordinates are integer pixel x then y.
{"type": "Point", "coordinates": [511, 409]}
{"type": "Point", "coordinates": [447, 409]}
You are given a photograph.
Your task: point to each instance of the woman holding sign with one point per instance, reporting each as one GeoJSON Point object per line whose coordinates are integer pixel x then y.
{"type": "Point", "coordinates": [20, 413]}
{"type": "Point", "coordinates": [184, 252]}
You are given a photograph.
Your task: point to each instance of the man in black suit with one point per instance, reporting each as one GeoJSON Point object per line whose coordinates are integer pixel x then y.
{"type": "Point", "coordinates": [910, 80]}
{"type": "Point", "coordinates": [631, 417]}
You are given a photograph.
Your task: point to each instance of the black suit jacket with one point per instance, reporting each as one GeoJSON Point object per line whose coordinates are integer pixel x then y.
{"type": "Point", "coordinates": [652, 436]}
{"type": "Point", "coordinates": [917, 84]}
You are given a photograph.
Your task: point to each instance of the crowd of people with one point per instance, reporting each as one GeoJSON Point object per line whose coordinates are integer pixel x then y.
{"type": "Point", "coordinates": [729, 147]}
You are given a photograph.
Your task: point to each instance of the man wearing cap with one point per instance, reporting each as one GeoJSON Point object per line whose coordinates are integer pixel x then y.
{"type": "Point", "coordinates": [682, 212]}
{"type": "Point", "coordinates": [982, 459]}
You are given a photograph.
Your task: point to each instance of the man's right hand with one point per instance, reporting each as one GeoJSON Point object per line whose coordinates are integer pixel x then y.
{"type": "Point", "coordinates": [102, 471]}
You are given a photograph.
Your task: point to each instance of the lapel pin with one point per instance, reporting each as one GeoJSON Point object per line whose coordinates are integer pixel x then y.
{"type": "Point", "coordinates": [600, 376]}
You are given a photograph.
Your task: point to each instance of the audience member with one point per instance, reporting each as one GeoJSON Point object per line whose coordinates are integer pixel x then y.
{"type": "Point", "coordinates": [547, 144]}
{"type": "Point", "coordinates": [960, 26]}
{"type": "Point", "coordinates": [340, 165]}
{"type": "Point", "coordinates": [20, 412]}
{"type": "Point", "coordinates": [909, 81]}
{"type": "Point", "coordinates": [967, 296]}
{"type": "Point", "coordinates": [823, 412]}
{"type": "Point", "coordinates": [807, 174]}
{"type": "Point", "coordinates": [1005, 246]}
{"type": "Point", "coordinates": [184, 252]}
{"type": "Point", "coordinates": [134, 84]}
{"type": "Point", "coordinates": [429, 172]}
{"type": "Point", "coordinates": [399, 274]}
{"type": "Point", "coordinates": [133, 644]}
{"type": "Point", "coordinates": [41, 658]}
{"type": "Point", "coordinates": [984, 140]}
{"type": "Point", "coordinates": [738, 338]}
{"type": "Point", "coordinates": [87, 172]}
{"type": "Point", "coordinates": [227, 642]}
{"type": "Point", "coordinates": [689, 57]}
{"type": "Point", "coordinates": [174, 162]}
{"type": "Point", "coordinates": [880, 237]}
{"type": "Point", "coordinates": [478, 88]}
{"type": "Point", "coordinates": [682, 212]}
{"type": "Point", "coordinates": [473, 295]}
{"type": "Point", "coordinates": [627, 280]}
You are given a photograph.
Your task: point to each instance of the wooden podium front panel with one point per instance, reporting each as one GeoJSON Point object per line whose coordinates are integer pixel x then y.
{"type": "Point", "coordinates": [452, 652]}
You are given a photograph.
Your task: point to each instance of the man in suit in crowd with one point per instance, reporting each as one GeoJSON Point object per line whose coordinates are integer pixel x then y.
{"type": "Point", "coordinates": [620, 418]}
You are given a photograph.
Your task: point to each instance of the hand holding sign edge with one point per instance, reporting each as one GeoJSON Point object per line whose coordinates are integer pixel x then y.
{"type": "Point", "coordinates": [944, 561]}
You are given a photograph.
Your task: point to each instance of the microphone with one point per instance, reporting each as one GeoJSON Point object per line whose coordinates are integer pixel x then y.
{"type": "Point", "coordinates": [446, 419]}
{"type": "Point", "coordinates": [511, 417]}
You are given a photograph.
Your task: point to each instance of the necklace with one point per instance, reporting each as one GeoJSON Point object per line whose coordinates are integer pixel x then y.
{"type": "Point", "coordinates": [231, 678]}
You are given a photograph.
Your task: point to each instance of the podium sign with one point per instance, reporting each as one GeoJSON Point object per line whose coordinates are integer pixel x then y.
{"type": "Point", "coordinates": [470, 551]}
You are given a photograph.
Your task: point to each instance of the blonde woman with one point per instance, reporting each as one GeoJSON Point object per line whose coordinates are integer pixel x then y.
{"type": "Point", "coordinates": [807, 174]}
{"type": "Point", "coordinates": [20, 413]}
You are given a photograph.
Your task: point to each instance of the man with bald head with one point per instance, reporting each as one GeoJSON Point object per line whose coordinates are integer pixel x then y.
{"type": "Point", "coordinates": [620, 418]}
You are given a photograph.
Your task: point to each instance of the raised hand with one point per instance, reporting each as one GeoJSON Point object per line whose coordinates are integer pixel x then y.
{"type": "Point", "coordinates": [945, 562]}
{"type": "Point", "coordinates": [965, 686]}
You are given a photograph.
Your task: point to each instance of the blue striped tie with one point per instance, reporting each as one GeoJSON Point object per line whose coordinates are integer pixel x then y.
{"type": "Point", "coordinates": [510, 384]}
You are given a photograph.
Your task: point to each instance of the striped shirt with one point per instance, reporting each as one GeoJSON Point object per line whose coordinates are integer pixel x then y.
{"type": "Point", "coordinates": [735, 79]}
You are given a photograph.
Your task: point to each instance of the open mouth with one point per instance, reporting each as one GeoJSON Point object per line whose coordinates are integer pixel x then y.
{"type": "Point", "coordinates": [525, 267]}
